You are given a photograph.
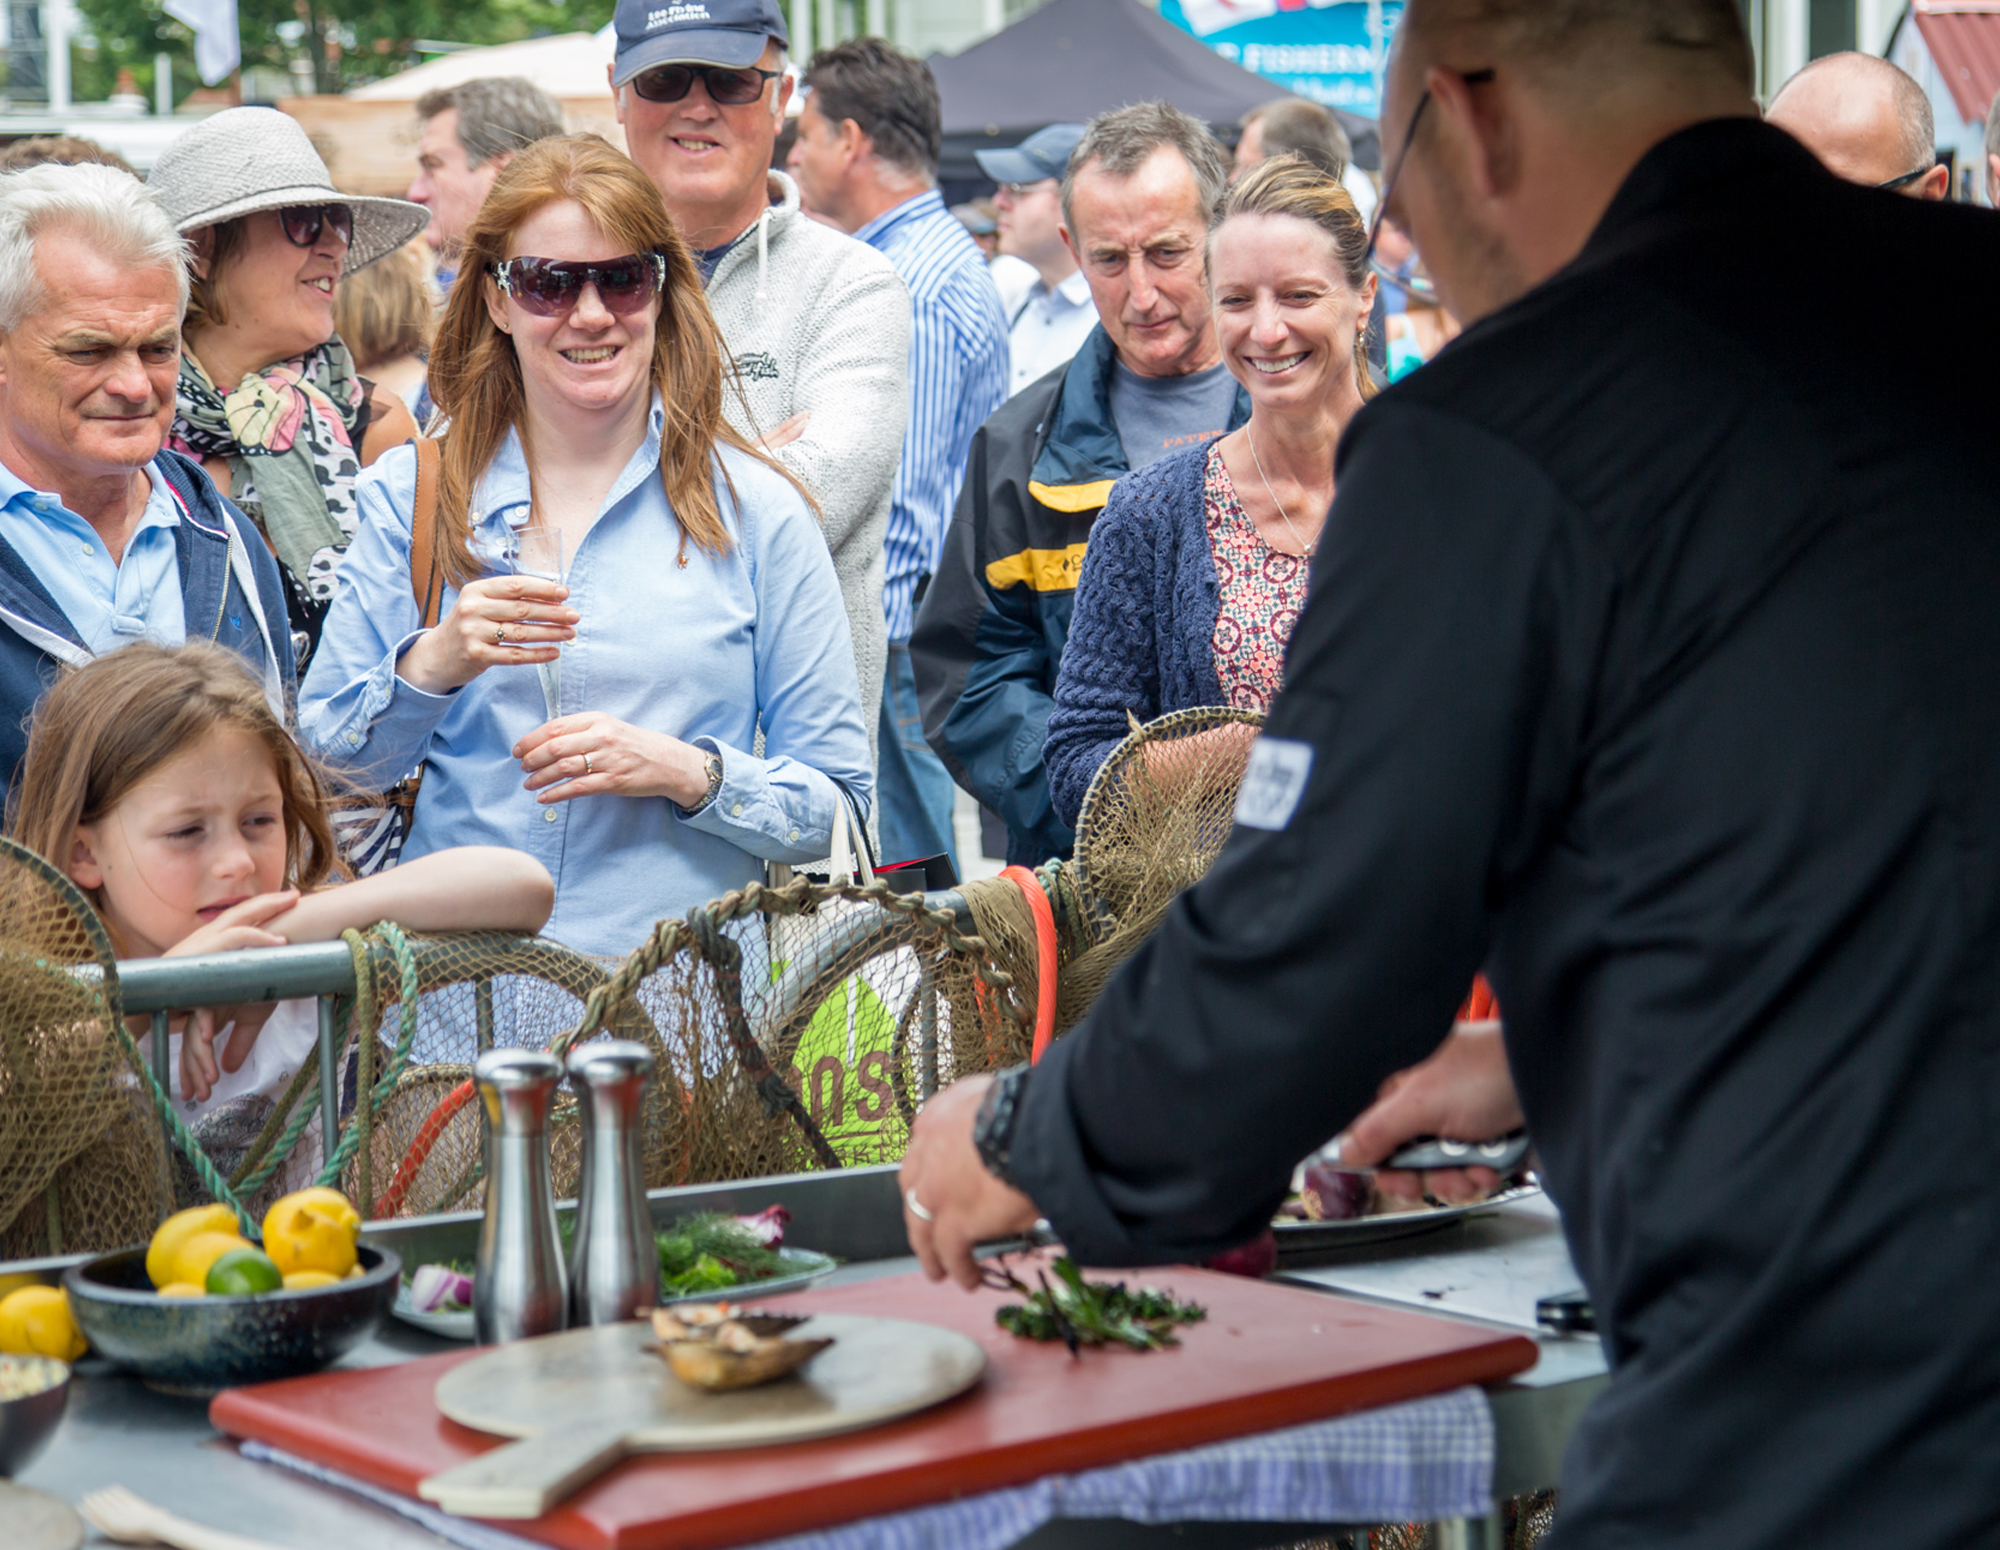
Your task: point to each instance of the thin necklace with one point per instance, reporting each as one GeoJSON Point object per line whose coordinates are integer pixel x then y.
{"type": "Point", "coordinates": [1305, 548]}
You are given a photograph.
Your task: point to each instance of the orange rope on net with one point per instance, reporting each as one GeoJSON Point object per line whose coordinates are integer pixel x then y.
{"type": "Point", "coordinates": [419, 1151]}
{"type": "Point", "coordinates": [1045, 955]}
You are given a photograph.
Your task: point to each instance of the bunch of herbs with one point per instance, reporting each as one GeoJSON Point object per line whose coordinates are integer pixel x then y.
{"type": "Point", "coordinates": [1094, 1313]}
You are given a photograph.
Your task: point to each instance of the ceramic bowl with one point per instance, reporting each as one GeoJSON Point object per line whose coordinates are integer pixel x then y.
{"type": "Point", "coordinates": [27, 1423]}
{"type": "Point", "coordinates": [199, 1345]}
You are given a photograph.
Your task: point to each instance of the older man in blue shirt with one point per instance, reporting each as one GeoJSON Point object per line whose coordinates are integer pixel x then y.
{"type": "Point", "coordinates": [105, 538]}
{"type": "Point", "coordinates": [866, 160]}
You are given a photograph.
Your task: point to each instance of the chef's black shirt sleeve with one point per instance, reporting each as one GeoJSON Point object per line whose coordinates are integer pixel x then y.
{"type": "Point", "coordinates": [1440, 675]}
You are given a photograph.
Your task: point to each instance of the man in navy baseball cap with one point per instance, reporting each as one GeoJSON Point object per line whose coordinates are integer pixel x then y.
{"type": "Point", "coordinates": [694, 32]}
{"type": "Point", "coordinates": [1043, 155]}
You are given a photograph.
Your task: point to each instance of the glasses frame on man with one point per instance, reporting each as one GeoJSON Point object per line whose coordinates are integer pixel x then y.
{"type": "Point", "coordinates": [1907, 178]}
{"type": "Point", "coordinates": [728, 86]}
{"type": "Point", "coordinates": [1022, 190]}
{"type": "Point", "coordinates": [1481, 77]}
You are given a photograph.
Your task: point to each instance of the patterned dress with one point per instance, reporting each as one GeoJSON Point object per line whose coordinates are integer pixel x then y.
{"type": "Point", "coordinates": [1262, 591]}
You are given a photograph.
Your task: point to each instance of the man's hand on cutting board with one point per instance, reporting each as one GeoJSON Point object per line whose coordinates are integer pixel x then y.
{"type": "Point", "coordinates": [1464, 1089]}
{"type": "Point", "coordinates": [944, 1180]}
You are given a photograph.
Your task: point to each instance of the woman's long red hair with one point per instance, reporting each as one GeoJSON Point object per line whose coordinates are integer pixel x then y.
{"type": "Point", "coordinates": [475, 378]}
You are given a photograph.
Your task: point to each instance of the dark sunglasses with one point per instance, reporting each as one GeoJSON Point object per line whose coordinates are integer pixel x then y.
{"type": "Point", "coordinates": [730, 88]}
{"type": "Point", "coordinates": [549, 286]}
{"type": "Point", "coordinates": [304, 223]}
{"type": "Point", "coordinates": [1471, 78]}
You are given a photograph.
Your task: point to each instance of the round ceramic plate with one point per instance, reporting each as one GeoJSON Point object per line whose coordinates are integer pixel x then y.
{"type": "Point", "coordinates": [802, 1268]}
{"type": "Point", "coordinates": [1296, 1237]}
{"type": "Point", "coordinates": [875, 1370]}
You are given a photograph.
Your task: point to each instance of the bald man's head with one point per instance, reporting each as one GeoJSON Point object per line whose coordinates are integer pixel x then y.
{"type": "Point", "coordinates": [1573, 41]}
{"type": "Point", "coordinates": [1509, 125]}
{"type": "Point", "coordinates": [1866, 120]}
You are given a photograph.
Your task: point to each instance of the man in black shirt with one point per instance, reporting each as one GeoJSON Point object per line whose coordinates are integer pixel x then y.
{"type": "Point", "coordinates": [1652, 661]}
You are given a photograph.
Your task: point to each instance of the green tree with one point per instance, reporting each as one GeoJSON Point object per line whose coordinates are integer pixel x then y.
{"type": "Point", "coordinates": [342, 43]}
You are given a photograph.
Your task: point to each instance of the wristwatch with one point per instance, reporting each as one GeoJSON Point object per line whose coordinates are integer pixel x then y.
{"type": "Point", "coordinates": [713, 762]}
{"type": "Point", "coordinates": [993, 1129]}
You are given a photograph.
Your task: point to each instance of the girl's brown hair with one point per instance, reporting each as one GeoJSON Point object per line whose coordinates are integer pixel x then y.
{"type": "Point", "coordinates": [109, 724]}
{"type": "Point", "coordinates": [475, 378]}
{"type": "Point", "coordinates": [1291, 185]}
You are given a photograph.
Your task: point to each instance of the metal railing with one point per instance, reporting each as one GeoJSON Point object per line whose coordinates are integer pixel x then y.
{"type": "Point", "coordinates": [160, 987]}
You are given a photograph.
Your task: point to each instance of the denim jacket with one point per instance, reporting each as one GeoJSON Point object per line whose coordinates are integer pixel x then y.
{"type": "Point", "coordinates": [230, 592]}
{"type": "Point", "coordinates": [707, 653]}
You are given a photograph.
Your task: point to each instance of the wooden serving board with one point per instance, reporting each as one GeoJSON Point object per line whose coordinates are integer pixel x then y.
{"type": "Point", "coordinates": [583, 1400]}
{"type": "Point", "coordinates": [1267, 1356]}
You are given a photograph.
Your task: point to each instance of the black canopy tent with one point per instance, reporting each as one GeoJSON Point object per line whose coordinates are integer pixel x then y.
{"type": "Point", "coordinates": [1073, 59]}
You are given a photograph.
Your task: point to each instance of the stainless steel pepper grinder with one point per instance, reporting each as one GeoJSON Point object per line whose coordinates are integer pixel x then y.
{"type": "Point", "coordinates": [519, 1289]}
{"type": "Point", "coordinates": [614, 1267]}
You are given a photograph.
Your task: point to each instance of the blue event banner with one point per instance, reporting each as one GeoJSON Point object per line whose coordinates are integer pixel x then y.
{"type": "Point", "coordinates": [1329, 50]}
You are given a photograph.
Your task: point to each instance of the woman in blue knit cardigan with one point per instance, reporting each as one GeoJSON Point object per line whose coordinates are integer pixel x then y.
{"type": "Point", "coordinates": [1197, 567]}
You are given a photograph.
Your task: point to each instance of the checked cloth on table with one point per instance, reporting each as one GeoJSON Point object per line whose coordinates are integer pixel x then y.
{"type": "Point", "coordinates": [1419, 1462]}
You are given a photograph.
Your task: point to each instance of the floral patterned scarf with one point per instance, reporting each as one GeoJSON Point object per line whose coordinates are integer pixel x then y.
{"type": "Point", "coordinates": [290, 434]}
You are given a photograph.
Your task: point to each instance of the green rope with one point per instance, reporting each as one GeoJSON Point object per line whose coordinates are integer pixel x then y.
{"type": "Point", "coordinates": [365, 1020]}
{"type": "Point", "coordinates": [163, 1105]}
{"type": "Point", "coordinates": [360, 1020]}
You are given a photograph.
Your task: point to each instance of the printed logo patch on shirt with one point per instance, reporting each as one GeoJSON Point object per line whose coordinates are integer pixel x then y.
{"type": "Point", "coordinates": [757, 367]}
{"type": "Point", "coordinates": [1274, 782]}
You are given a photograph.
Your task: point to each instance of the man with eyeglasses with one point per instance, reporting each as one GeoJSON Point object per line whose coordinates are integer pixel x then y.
{"type": "Point", "coordinates": [1868, 121]}
{"type": "Point", "coordinates": [1052, 321]}
{"type": "Point", "coordinates": [817, 324]}
{"type": "Point", "coordinates": [1651, 661]}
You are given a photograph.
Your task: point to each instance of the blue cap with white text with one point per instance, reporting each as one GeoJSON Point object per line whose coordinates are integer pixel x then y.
{"type": "Point", "coordinates": [694, 32]}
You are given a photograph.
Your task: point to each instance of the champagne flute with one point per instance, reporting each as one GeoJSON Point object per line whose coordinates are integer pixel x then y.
{"type": "Point", "coordinates": [535, 550]}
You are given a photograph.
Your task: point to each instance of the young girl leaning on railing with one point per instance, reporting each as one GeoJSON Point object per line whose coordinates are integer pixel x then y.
{"type": "Point", "coordinates": [160, 780]}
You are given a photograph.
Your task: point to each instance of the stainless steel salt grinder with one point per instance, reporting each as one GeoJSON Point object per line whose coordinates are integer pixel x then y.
{"type": "Point", "coordinates": [614, 1266]}
{"type": "Point", "coordinates": [519, 1289]}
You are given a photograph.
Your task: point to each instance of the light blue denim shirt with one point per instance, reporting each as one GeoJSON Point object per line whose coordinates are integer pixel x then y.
{"type": "Point", "coordinates": [109, 605]}
{"type": "Point", "coordinates": [706, 654]}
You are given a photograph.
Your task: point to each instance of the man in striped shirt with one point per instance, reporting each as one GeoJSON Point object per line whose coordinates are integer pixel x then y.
{"type": "Point", "coordinates": [866, 160]}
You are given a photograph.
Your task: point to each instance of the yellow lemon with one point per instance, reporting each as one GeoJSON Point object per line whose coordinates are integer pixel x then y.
{"type": "Point", "coordinates": [165, 1248]}
{"type": "Point", "coordinates": [310, 1280]}
{"type": "Point", "coordinates": [182, 1289]}
{"type": "Point", "coordinates": [201, 1251]}
{"type": "Point", "coordinates": [36, 1321]}
{"type": "Point", "coordinates": [314, 1229]}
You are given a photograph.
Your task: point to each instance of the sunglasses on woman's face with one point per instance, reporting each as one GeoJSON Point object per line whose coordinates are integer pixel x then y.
{"type": "Point", "coordinates": [729, 88]}
{"type": "Point", "coordinates": [548, 287]}
{"type": "Point", "coordinates": [304, 223]}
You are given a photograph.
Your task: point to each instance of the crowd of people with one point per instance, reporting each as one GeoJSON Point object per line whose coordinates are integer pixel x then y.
{"type": "Point", "coordinates": [564, 544]}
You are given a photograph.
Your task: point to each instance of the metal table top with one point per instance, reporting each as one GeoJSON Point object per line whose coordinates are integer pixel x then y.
{"type": "Point", "coordinates": [119, 1432]}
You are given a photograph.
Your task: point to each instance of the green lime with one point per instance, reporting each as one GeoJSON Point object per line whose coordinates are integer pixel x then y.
{"type": "Point", "coordinates": [244, 1273]}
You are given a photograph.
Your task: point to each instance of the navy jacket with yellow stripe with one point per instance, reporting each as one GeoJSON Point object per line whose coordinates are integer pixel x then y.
{"type": "Point", "coordinates": [989, 635]}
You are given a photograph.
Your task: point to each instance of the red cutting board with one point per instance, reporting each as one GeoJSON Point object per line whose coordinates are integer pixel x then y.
{"type": "Point", "coordinates": [1266, 1357]}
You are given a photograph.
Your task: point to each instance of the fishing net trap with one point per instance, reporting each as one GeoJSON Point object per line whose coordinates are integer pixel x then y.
{"type": "Point", "coordinates": [793, 1028]}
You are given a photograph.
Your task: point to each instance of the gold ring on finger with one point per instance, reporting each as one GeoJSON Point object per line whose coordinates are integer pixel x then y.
{"type": "Point", "coordinates": [586, 764]}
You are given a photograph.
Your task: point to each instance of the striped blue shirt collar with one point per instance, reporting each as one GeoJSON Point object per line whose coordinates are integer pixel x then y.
{"type": "Point", "coordinates": [929, 202]}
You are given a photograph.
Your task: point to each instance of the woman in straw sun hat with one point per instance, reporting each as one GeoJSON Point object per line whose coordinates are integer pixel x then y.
{"type": "Point", "coordinates": [269, 398]}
